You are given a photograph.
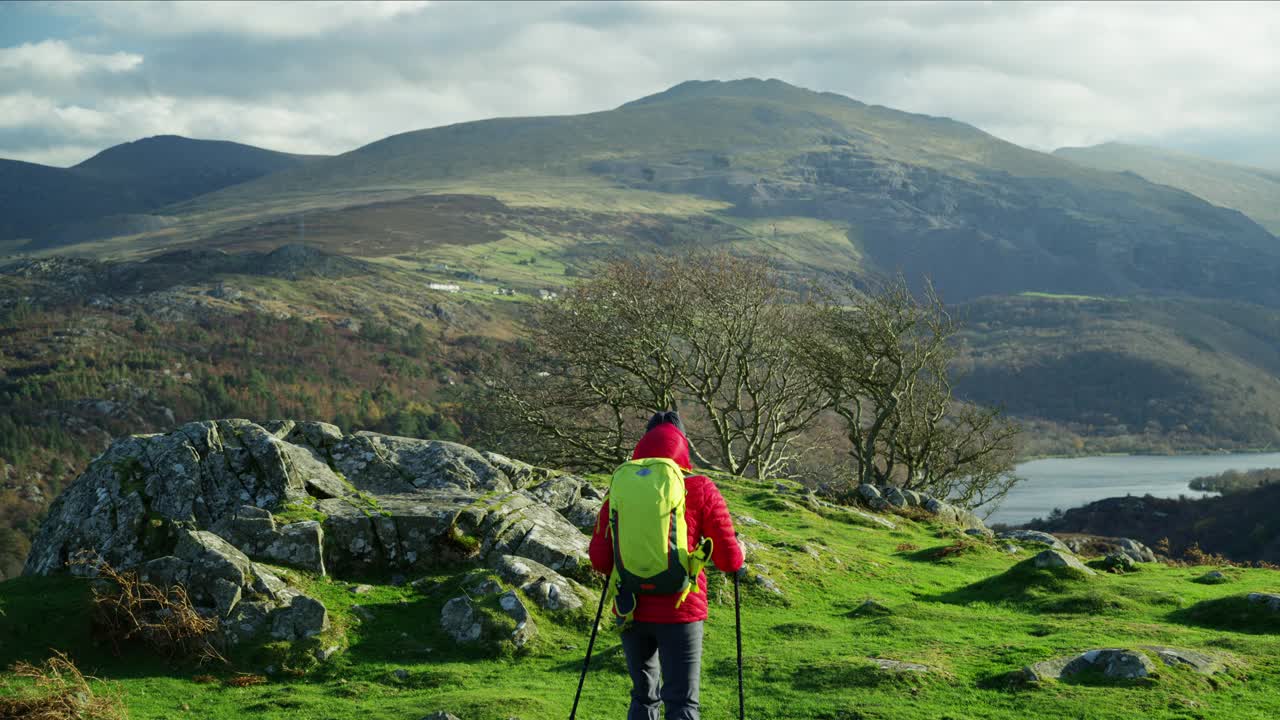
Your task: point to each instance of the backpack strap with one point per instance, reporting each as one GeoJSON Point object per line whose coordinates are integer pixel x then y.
{"type": "Point", "coordinates": [698, 559]}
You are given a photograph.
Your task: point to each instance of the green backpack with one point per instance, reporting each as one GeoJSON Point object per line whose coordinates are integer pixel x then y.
{"type": "Point", "coordinates": [651, 553]}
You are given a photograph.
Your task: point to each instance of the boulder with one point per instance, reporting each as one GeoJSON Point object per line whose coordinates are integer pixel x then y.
{"type": "Point", "coordinates": [1034, 536]}
{"type": "Point", "coordinates": [895, 497]}
{"type": "Point", "coordinates": [547, 588]}
{"type": "Point", "coordinates": [216, 573]}
{"type": "Point", "coordinates": [871, 496]}
{"type": "Point", "coordinates": [1200, 662]}
{"type": "Point", "coordinates": [460, 621]}
{"type": "Point", "coordinates": [899, 666]}
{"type": "Point", "coordinates": [1214, 577]}
{"type": "Point", "coordinates": [1269, 600]}
{"type": "Point", "coordinates": [1116, 664]}
{"type": "Point", "coordinates": [515, 609]}
{"type": "Point", "coordinates": [304, 617]}
{"type": "Point", "coordinates": [1050, 559]}
{"type": "Point", "coordinates": [1119, 563]}
{"type": "Point", "coordinates": [1135, 550]}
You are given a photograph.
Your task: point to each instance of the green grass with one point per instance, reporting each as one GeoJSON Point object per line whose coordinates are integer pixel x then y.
{"type": "Point", "coordinates": [975, 617]}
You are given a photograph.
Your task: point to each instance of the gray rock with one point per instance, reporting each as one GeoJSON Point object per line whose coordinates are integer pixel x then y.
{"type": "Point", "coordinates": [386, 464]}
{"type": "Point", "coordinates": [217, 571]}
{"type": "Point", "coordinates": [872, 608]}
{"type": "Point", "coordinates": [899, 666]}
{"type": "Point", "coordinates": [980, 533]}
{"type": "Point", "coordinates": [1135, 550]}
{"type": "Point", "coordinates": [1119, 563]}
{"type": "Point", "coordinates": [576, 499]}
{"type": "Point", "coordinates": [547, 588]}
{"type": "Point", "coordinates": [488, 587]}
{"type": "Point", "coordinates": [515, 609]}
{"type": "Point", "coordinates": [895, 497]}
{"type": "Point", "coordinates": [1270, 601]}
{"type": "Point", "coordinates": [255, 531]}
{"type": "Point", "coordinates": [305, 617]}
{"type": "Point", "coordinates": [327, 654]}
{"type": "Point", "coordinates": [1202, 663]}
{"type": "Point", "coordinates": [1010, 548]}
{"type": "Point", "coordinates": [945, 512]}
{"type": "Point", "coordinates": [460, 621]}
{"type": "Point", "coordinates": [868, 492]}
{"type": "Point", "coordinates": [1214, 577]}
{"type": "Point", "coordinates": [1034, 536]}
{"type": "Point", "coordinates": [441, 715]}
{"type": "Point", "coordinates": [520, 474]}
{"type": "Point", "coordinates": [1117, 664]}
{"type": "Point", "coordinates": [1050, 559]}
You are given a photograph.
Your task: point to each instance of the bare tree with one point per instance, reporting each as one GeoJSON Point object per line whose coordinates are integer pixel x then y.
{"type": "Point", "coordinates": [884, 358]}
{"type": "Point", "coordinates": [711, 334]}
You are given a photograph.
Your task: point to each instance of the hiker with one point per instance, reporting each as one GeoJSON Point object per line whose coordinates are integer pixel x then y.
{"type": "Point", "coordinates": [664, 631]}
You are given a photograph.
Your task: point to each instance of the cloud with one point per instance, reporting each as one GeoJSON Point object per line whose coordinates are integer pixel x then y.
{"type": "Point", "coordinates": [291, 18]}
{"type": "Point", "coordinates": [54, 58]}
{"type": "Point", "coordinates": [330, 77]}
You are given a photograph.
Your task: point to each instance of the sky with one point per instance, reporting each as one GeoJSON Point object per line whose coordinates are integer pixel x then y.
{"type": "Point", "coordinates": [327, 77]}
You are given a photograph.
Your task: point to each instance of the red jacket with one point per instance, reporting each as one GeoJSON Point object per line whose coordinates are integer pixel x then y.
{"type": "Point", "coordinates": [706, 515]}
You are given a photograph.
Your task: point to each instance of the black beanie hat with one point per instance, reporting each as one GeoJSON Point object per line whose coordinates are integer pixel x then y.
{"type": "Point", "coordinates": [668, 416]}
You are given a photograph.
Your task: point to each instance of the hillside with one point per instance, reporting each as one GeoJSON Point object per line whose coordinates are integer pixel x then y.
{"type": "Point", "coordinates": [924, 195]}
{"type": "Point", "coordinates": [1253, 191]}
{"type": "Point", "coordinates": [1104, 375]}
{"type": "Point", "coordinates": [846, 614]}
{"type": "Point", "coordinates": [1240, 525]}
{"type": "Point", "coordinates": [57, 206]}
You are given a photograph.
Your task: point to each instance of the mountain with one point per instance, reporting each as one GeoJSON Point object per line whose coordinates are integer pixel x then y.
{"type": "Point", "coordinates": [58, 205]}
{"type": "Point", "coordinates": [910, 193]}
{"type": "Point", "coordinates": [1253, 191]}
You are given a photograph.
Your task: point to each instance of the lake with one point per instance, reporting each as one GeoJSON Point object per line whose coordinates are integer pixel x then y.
{"type": "Point", "coordinates": [1070, 482]}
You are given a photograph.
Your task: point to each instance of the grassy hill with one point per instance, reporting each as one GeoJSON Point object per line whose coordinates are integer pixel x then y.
{"type": "Point", "coordinates": [1253, 191]}
{"type": "Point", "coordinates": [1127, 374]}
{"type": "Point", "coordinates": [924, 195]}
{"type": "Point", "coordinates": [56, 206]}
{"type": "Point", "coordinates": [969, 613]}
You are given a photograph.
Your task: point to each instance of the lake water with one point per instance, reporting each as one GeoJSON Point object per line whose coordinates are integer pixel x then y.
{"type": "Point", "coordinates": [1072, 482]}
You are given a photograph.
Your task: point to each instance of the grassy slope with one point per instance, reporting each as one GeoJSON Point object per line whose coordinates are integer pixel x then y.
{"type": "Point", "coordinates": [806, 657]}
{"type": "Point", "coordinates": [1252, 191]}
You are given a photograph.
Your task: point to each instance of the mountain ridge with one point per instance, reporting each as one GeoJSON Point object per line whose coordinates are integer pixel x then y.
{"type": "Point", "coordinates": [52, 206]}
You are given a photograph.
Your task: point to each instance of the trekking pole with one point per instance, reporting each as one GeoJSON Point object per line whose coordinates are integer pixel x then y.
{"type": "Point", "coordinates": [591, 644]}
{"type": "Point", "coordinates": [737, 617]}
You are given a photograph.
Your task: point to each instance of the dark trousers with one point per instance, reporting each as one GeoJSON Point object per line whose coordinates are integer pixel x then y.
{"type": "Point", "coordinates": [679, 648]}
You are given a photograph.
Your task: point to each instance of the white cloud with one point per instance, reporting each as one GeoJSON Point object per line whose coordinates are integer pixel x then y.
{"type": "Point", "coordinates": [54, 58]}
{"type": "Point", "coordinates": [289, 18]}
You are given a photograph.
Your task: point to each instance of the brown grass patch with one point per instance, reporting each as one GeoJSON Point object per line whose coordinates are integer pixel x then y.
{"type": "Point", "coordinates": [907, 547]}
{"type": "Point", "coordinates": [127, 610]}
{"type": "Point", "coordinates": [245, 680]}
{"type": "Point", "coordinates": [55, 690]}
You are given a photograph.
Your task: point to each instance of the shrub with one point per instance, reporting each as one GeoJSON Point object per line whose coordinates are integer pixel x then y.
{"type": "Point", "coordinates": [55, 690]}
{"type": "Point", "coordinates": [127, 610]}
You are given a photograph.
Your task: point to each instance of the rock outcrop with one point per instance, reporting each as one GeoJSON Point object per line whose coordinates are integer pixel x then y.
{"type": "Point", "coordinates": [1124, 664]}
{"type": "Point", "coordinates": [212, 504]}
